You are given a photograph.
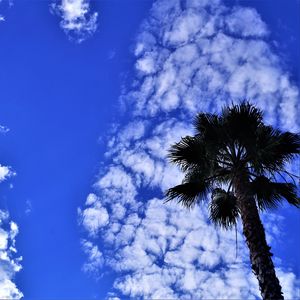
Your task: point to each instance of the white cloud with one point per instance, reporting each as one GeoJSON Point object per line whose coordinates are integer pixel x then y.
{"type": "Point", "coordinates": [78, 21]}
{"type": "Point", "coordinates": [185, 27]}
{"type": "Point", "coordinates": [246, 22]}
{"type": "Point", "coordinates": [162, 250]}
{"type": "Point", "coordinates": [9, 263]}
{"type": "Point", "coordinates": [210, 65]}
{"type": "Point", "coordinates": [190, 252]}
{"type": "Point", "coordinates": [117, 186]}
{"type": "Point", "coordinates": [181, 255]}
{"type": "Point", "coordinates": [94, 258]}
{"type": "Point", "coordinates": [289, 281]}
{"type": "Point", "coordinates": [5, 172]}
{"type": "Point", "coordinates": [146, 65]}
{"type": "Point", "coordinates": [94, 217]}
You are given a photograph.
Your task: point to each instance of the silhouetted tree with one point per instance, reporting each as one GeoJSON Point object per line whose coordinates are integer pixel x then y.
{"type": "Point", "coordinates": [238, 159]}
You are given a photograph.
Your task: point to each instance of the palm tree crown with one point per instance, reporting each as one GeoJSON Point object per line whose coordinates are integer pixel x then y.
{"type": "Point", "coordinates": [240, 161]}
{"type": "Point", "coordinates": [223, 147]}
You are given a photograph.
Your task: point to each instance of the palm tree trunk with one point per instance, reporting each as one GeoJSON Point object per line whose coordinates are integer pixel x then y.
{"type": "Point", "coordinates": [260, 255]}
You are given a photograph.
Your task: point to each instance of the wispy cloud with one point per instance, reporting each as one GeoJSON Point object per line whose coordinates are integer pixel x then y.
{"type": "Point", "coordinates": [194, 57]}
{"type": "Point", "coordinates": [28, 209]}
{"type": "Point", "coordinates": [4, 4]}
{"type": "Point", "coordinates": [78, 21]}
{"type": "Point", "coordinates": [3, 129]}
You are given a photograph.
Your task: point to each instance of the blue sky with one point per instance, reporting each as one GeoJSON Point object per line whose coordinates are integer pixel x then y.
{"type": "Point", "coordinates": [92, 95]}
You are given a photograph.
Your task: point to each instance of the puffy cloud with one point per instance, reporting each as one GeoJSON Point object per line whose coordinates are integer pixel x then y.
{"type": "Point", "coordinates": [94, 258]}
{"type": "Point", "coordinates": [78, 21]}
{"type": "Point", "coordinates": [146, 65]}
{"type": "Point", "coordinates": [9, 263]}
{"type": "Point", "coordinates": [94, 217]}
{"type": "Point", "coordinates": [207, 66]}
{"type": "Point", "coordinates": [246, 22]}
{"type": "Point", "coordinates": [5, 172]}
{"type": "Point", "coordinates": [163, 250]}
{"type": "Point", "coordinates": [180, 255]}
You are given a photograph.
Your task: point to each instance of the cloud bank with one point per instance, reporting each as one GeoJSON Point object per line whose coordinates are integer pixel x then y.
{"type": "Point", "coordinates": [191, 56]}
{"type": "Point", "coordinates": [78, 22]}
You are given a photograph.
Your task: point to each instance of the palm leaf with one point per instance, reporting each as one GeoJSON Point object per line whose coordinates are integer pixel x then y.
{"type": "Point", "coordinates": [241, 122]}
{"type": "Point", "coordinates": [188, 193]}
{"type": "Point", "coordinates": [270, 194]}
{"type": "Point", "coordinates": [208, 125]}
{"type": "Point", "coordinates": [272, 149]}
{"type": "Point", "coordinates": [223, 208]}
{"type": "Point", "coordinates": [189, 152]}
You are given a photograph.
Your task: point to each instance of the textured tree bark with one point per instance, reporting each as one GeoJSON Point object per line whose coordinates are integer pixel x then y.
{"type": "Point", "coordinates": [253, 230]}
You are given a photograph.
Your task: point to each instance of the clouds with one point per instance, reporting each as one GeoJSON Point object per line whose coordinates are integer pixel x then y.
{"type": "Point", "coordinates": [4, 5]}
{"type": "Point", "coordinates": [9, 263]}
{"type": "Point", "coordinates": [5, 172]}
{"type": "Point", "coordinates": [78, 21]}
{"type": "Point", "coordinates": [219, 61]}
{"type": "Point", "coordinates": [246, 22]}
{"type": "Point", "coordinates": [94, 258]}
{"type": "Point", "coordinates": [179, 255]}
{"type": "Point", "coordinates": [94, 217]}
{"type": "Point", "coordinates": [190, 56]}
{"type": "Point", "coordinates": [3, 129]}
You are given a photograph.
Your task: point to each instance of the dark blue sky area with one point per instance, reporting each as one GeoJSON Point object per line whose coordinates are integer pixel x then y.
{"type": "Point", "coordinates": [58, 97]}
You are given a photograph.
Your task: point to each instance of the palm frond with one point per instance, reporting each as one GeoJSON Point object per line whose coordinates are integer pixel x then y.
{"type": "Point", "coordinates": [195, 175]}
{"type": "Point", "coordinates": [213, 174]}
{"type": "Point", "coordinates": [287, 146]}
{"type": "Point", "coordinates": [189, 152]}
{"type": "Point", "coordinates": [188, 193]}
{"type": "Point", "coordinates": [210, 128]}
{"type": "Point", "coordinates": [207, 124]}
{"type": "Point", "coordinates": [223, 208]}
{"type": "Point", "coordinates": [288, 191]}
{"type": "Point", "coordinates": [221, 175]}
{"type": "Point", "coordinates": [269, 194]}
{"type": "Point", "coordinates": [272, 149]}
{"type": "Point", "coordinates": [241, 122]}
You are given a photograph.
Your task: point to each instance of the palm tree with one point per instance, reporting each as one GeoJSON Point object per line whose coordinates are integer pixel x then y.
{"type": "Point", "coordinates": [240, 161]}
